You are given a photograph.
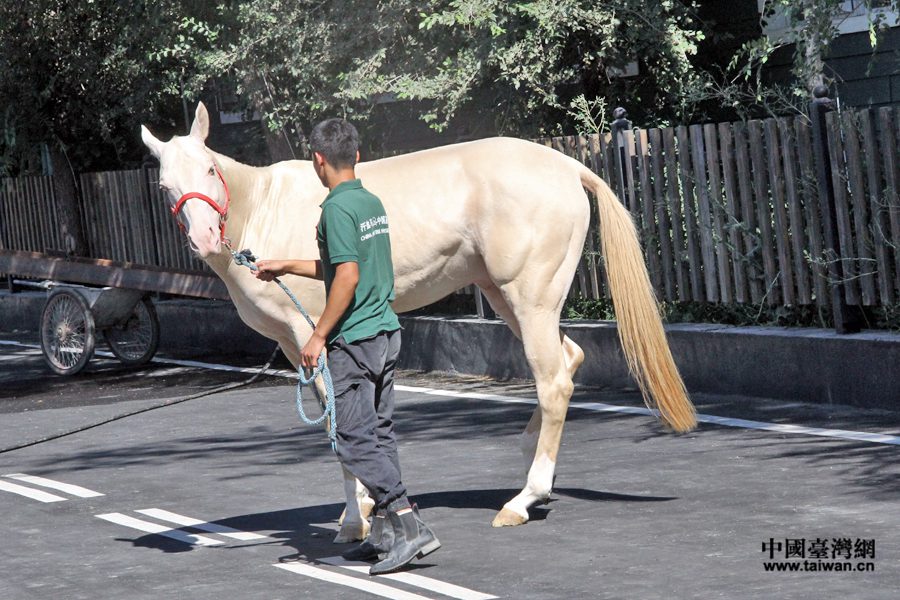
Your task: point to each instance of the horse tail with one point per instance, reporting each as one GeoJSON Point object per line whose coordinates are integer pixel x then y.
{"type": "Point", "coordinates": [637, 311]}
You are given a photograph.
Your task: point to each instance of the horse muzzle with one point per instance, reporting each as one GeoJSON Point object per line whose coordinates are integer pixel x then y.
{"type": "Point", "coordinates": [206, 243]}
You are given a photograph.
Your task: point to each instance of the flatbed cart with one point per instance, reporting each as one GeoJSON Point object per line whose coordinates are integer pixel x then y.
{"type": "Point", "coordinates": [87, 297]}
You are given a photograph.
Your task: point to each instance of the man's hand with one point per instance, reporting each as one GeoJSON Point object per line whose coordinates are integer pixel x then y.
{"type": "Point", "coordinates": [267, 270]}
{"type": "Point", "coordinates": [309, 356]}
{"type": "Point", "coordinates": [270, 269]}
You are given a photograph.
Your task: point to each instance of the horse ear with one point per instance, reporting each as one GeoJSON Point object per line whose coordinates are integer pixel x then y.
{"type": "Point", "coordinates": [153, 144]}
{"type": "Point", "coordinates": [200, 128]}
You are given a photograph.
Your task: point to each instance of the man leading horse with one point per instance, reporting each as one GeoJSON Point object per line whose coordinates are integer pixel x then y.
{"type": "Point", "coordinates": [362, 335]}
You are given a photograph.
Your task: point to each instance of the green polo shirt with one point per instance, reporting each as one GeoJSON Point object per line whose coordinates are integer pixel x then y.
{"type": "Point", "coordinates": [354, 228]}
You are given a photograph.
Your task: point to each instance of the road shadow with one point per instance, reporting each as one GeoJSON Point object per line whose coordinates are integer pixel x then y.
{"type": "Point", "coordinates": [309, 530]}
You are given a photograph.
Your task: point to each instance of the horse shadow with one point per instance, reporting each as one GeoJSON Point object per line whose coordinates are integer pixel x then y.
{"type": "Point", "coordinates": [309, 531]}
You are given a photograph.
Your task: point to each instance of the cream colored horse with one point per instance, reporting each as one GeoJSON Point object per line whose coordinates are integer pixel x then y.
{"type": "Point", "coordinates": [507, 215]}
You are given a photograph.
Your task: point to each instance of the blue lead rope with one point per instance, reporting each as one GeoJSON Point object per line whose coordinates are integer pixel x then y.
{"type": "Point", "coordinates": [245, 258]}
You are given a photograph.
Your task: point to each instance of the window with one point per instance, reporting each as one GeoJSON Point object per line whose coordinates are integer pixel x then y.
{"type": "Point", "coordinates": [855, 17]}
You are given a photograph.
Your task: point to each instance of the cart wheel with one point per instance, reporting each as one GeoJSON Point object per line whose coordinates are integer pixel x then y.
{"type": "Point", "coordinates": [67, 332]}
{"type": "Point", "coordinates": [135, 341]}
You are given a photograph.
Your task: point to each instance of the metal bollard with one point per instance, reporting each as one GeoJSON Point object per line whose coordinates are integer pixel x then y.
{"type": "Point", "coordinates": [619, 126]}
{"type": "Point", "coordinates": [482, 307]}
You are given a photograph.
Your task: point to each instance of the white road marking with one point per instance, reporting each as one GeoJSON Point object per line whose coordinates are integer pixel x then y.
{"type": "Point", "coordinates": [30, 493]}
{"type": "Point", "coordinates": [175, 361]}
{"type": "Point", "coordinates": [432, 585]}
{"type": "Point", "coordinates": [164, 515]}
{"type": "Point", "coordinates": [17, 356]}
{"type": "Point", "coordinates": [75, 490]}
{"type": "Point", "coordinates": [148, 527]}
{"type": "Point", "coordinates": [168, 372]}
{"type": "Point", "coordinates": [11, 343]}
{"type": "Point", "coordinates": [365, 585]}
{"type": "Point", "coordinates": [862, 436]}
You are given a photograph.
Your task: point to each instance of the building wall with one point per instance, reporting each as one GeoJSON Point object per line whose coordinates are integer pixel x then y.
{"type": "Point", "coordinates": [863, 77]}
{"type": "Point", "coordinates": [867, 78]}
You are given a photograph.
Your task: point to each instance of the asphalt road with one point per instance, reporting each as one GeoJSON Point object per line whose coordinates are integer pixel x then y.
{"type": "Point", "coordinates": [230, 496]}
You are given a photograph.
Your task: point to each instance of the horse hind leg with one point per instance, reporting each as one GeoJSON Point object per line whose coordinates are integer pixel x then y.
{"type": "Point", "coordinates": [574, 356]}
{"type": "Point", "coordinates": [572, 353]}
{"type": "Point", "coordinates": [495, 298]}
{"type": "Point", "coordinates": [528, 441]}
{"type": "Point", "coordinates": [547, 359]}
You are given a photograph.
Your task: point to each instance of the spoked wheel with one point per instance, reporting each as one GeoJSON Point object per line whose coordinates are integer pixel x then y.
{"type": "Point", "coordinates": [135, 341]}
{"type": "Point", "coordinates": [67, 332]}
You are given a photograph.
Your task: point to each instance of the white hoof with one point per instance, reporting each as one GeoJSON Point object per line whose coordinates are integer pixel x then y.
{"type": "Point", "coordinates": [352, 532]}
{"type": "Point", "coordinates": [509, 518]}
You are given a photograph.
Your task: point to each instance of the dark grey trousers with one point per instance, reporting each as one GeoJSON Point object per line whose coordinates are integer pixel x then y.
{"type": "Point", "coordinates": [363, 376]}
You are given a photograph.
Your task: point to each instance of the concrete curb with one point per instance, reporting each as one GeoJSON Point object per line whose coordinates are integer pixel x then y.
{"type": "Point", "coordinates": [809, 365]}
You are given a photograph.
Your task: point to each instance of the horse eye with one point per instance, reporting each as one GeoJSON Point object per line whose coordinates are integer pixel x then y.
{"type": "Point", "coordinates": [212, 171]}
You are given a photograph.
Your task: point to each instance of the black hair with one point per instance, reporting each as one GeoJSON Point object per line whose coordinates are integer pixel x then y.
{"type": "Point", "coordinates": [337, 140]}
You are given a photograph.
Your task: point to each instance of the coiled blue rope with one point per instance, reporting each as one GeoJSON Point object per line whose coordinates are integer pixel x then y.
{"type": "Point", "coordinates": [245, 258]}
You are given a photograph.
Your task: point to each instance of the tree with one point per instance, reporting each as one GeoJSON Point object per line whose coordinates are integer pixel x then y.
{"type": "Point", "coordinates": [76, 79]}
{"type": "Point", "coordinates": [527, 64]}
{"type": "Point", "coordinates": [96, 67]}
{"type": "Point", "coordinates": [80, 75]}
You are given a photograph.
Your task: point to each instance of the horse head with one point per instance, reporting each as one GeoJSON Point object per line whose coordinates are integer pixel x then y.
{"type": "Point", "coordinates": [188, 172]}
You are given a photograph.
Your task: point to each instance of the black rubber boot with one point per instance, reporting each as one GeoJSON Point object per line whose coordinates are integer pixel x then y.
{"type": "Point", "coordinates": [412, 539]}
{"type": "Point", "coordinates": [379, 541]}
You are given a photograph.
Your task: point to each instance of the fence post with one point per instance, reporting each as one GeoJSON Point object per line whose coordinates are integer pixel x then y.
{"type": "Point", "coordinates": [846, 319]}
{"type": "Point", "coordinates": [619, 126]}
{"type": "Point", "coordinates": [482, 307]}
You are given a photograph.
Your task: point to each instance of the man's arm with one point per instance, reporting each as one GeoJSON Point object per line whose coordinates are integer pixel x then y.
{"type": "Point", "coordinates": [346, 278]}
{"type": "Point", "coordinates": [270, 269]}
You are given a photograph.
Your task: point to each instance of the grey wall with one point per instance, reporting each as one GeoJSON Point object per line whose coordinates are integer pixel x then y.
{"type": "Point", "coordinates": [810, 365]}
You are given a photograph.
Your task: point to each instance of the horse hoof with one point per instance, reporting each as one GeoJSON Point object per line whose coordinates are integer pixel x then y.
{"type": "Point", "coordinates": [352, 532]}
{"type": "Point", "coordinates": [508, 518]}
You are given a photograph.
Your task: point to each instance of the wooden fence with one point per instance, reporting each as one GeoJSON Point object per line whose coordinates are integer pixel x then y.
{"type": "Point", "coordinates": [125, 218]}
{"type": "Point", "coordinates": [730, 212]}
{"type": "Point", "coordinates": [727, 212]}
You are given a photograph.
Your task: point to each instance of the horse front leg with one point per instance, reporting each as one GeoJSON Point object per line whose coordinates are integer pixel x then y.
{"type": "Point", "coordinates": [355, 518]}
{"type": "Point", "coordinates": [354, 521]}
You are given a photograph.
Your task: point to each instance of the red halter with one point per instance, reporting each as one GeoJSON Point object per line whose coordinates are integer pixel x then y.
{"type": "Point", "coordinates": [223, 212]}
